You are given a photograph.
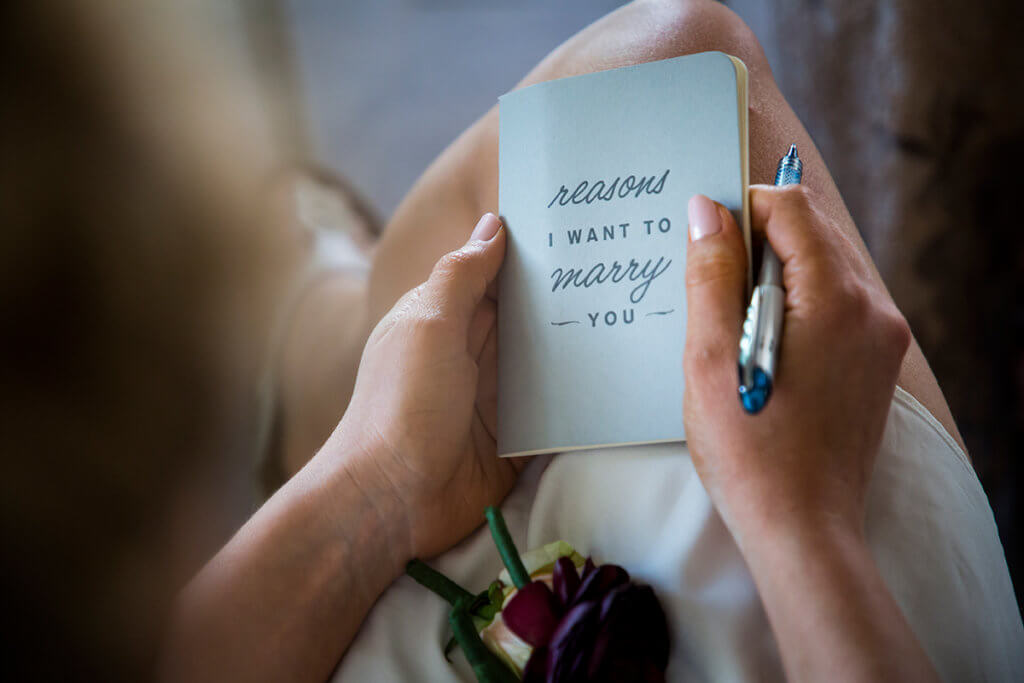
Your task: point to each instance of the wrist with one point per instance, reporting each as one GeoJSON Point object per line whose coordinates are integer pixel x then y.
{"type": "Point", "coordinates": [782, 541]}
{"type": "Point", "coordinates": [828, 604]}
{"type": "Point", "coordinates": [360, 501]}
{"type": "Point", "coordinates": [758, 516]}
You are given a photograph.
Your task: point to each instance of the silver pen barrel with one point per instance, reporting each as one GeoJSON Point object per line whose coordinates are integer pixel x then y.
{"type": "Point", "coordinates": [771, 268]}
{"type": "Point", "coordinates": [762, 329]}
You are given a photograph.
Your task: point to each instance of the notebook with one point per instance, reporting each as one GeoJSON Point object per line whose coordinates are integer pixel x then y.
{"type": "Point", "coordinates": [595, 172]}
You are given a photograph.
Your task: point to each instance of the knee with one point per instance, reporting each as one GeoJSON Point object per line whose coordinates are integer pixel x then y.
{"type": "Point", "coordinates": [649, 30]}
{"type": "Point", "coordinates": [682, 27]}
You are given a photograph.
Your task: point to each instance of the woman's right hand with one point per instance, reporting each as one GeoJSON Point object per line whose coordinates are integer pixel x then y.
{"type": "Point", "coordinates": [807, 457]}
{"type": "Point", "coordinates": [791, 481]}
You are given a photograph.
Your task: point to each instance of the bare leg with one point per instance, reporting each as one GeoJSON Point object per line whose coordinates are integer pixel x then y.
{"type": "Point", "coordinates": [440, 210]}
{"type": "Point", "coordinates": [326, 331]}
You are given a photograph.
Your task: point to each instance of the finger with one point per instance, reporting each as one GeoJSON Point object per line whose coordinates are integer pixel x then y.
{"type": "Point", "coordinates": [716, 276]}
{"type": "Point", "coordinates": [520, 462]}
{"type": "Point", "coordinates": [460, 279]}
{"type": "Point", "coordinates": [787, 218]}
{"type": "Point", "coordinates": [487, 385]}
{"type": "Point", "coordinates": [481, 326]}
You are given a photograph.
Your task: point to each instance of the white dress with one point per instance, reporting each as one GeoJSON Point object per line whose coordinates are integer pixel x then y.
{"type": "Point", "coordinates": [929, 526]}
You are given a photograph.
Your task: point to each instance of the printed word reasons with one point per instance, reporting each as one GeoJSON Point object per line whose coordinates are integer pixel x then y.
{"type": "Point", "coordinates": [590, 191]}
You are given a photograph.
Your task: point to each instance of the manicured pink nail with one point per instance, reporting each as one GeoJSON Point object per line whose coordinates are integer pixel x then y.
{"type": "Point", "coordinates": [486, 228]}
{"type": "Point", "coordinates": [704, 217]}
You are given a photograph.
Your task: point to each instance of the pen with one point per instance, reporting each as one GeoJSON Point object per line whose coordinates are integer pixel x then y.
{"type": "Point", "coordinates": [762, 330]}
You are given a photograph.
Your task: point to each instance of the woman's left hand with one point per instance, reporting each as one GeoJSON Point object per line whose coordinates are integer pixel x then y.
{"type": "Point", "coordinates": [420, 429]}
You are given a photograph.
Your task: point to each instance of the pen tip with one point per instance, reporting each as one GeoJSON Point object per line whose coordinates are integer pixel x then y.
{"type": "Point", "coordinates": [792, 151]}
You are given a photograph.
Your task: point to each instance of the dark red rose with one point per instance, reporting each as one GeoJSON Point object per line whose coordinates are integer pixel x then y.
{"type": "Point", "coordinates": [532, 613]}
{"type": "Point", "coordinates": [598, 626]}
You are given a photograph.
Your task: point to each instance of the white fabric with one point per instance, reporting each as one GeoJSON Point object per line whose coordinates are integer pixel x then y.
{"type": "Point", "coordinates": [929, 526]}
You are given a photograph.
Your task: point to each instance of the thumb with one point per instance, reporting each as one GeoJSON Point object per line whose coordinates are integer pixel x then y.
{"type": "Point", "coordinates": [460, 279]}
{"type": "Point", "coordinates": [716, 276]}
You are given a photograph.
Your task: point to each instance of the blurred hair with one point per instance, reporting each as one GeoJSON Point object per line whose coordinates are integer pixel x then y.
{"type": "Point", "coordinates": [134, 280]}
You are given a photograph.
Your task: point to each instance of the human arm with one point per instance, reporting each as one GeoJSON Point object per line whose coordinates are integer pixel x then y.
{"type": "Point", "coordinates": [287, 594]}
{"type": "Point", "coordinates": [832, 614]}
{"type": "Point", "coordinates": [408, 472]}
{"type": "Point", "coordinates": [791, 482]}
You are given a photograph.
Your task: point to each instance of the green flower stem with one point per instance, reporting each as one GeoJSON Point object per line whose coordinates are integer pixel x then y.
{"type": "Point", "coordinates": [437, 582]}
{"type": "Point", "coordinates": [486, 666]}
{"type": "Point", "coordinates": [507, 548]}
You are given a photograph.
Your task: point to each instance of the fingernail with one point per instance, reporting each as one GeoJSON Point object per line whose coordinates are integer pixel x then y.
{"type": "Point", "coordinates": [486, 228]}
{"type": "Point", "coordinates": [704, 218]}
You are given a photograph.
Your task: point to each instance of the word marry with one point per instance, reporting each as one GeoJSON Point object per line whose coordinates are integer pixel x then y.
{"type": "Point", "coordinates": [599, 273]}
{"type": "Point", "coordinates": [588, 192]}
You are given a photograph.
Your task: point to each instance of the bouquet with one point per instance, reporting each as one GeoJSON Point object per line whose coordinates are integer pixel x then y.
{"type": "Point", "coordinates": [553, 616]}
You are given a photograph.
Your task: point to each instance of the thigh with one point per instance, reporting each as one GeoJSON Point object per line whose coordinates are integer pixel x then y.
{"type": "Point", "coordinates": [441, 209]}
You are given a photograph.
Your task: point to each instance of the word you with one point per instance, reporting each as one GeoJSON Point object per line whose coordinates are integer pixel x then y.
{"type": "Point", "coordinates": [610, 318]}
{"type": "Point", "coordinates": [600, 273]}
{"type": "Point", "coordinates": [588, 192]}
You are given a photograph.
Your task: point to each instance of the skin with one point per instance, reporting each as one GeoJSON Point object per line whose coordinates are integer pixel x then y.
{"type": "Point", "coordinates": [407, 473]}
{"type": "Point", "coordinates": [411, 466]}
{"type": "Point", "coordinates": [791, 482]}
